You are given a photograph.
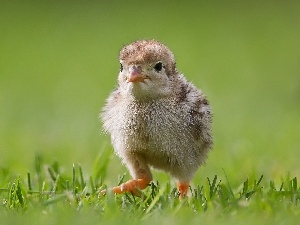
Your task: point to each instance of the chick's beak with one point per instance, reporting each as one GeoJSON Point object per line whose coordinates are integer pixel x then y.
{"type": "Point", "coordinates": [135, 74]}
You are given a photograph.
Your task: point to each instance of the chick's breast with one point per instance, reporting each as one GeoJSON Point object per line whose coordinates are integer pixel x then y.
{"type": "Point", "coordinates": [171, 134]}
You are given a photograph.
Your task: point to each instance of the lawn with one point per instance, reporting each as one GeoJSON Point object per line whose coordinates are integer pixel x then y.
{"type": "Point", "coordinates": [59, 62]}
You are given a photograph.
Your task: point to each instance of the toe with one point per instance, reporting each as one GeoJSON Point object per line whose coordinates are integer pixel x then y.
{"type": "Point", "coordinates": [132, 186]}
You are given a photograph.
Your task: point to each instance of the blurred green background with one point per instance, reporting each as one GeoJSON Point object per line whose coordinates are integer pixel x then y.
{"type": "Point", "coordinates": [59, 62]}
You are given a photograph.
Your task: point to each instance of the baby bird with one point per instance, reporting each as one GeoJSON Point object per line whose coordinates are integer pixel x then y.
{"type": "Point", "coordinates": [156, 118]}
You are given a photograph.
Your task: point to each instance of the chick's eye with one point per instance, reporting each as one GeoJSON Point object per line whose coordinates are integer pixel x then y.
{"type": "Point", "coordinates": [121, 67]}
{"type": "Point", "coordinates": [158, 66]}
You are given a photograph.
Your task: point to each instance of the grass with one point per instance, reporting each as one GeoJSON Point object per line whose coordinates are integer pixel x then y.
{"type": "Point", "coordinates": [47, 192]}
{"type": "Point", "coordinates": [58, 63]}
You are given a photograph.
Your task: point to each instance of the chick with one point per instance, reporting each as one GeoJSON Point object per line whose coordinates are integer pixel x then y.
{"type": "Point", "coordinates": [156, 118]}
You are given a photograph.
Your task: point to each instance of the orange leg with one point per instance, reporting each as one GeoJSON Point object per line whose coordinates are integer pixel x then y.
{"type": "Point", "coordinates": [130, 186]}
{"type": "Point", "coordinates": [183, 189]}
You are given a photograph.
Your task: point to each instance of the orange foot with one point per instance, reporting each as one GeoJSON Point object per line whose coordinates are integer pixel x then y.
{"type": "Point", "coordinates": [130, 186]}
{"type": "Point", "coordinates": [183, 189]}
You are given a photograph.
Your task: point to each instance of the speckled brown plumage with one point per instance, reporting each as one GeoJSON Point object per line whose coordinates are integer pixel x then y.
{"type": "Point", "coordinates": [156, 118]}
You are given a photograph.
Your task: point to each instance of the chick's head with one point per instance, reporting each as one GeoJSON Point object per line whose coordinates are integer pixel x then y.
{"type": "Point", "coordinates": [147, 70]}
